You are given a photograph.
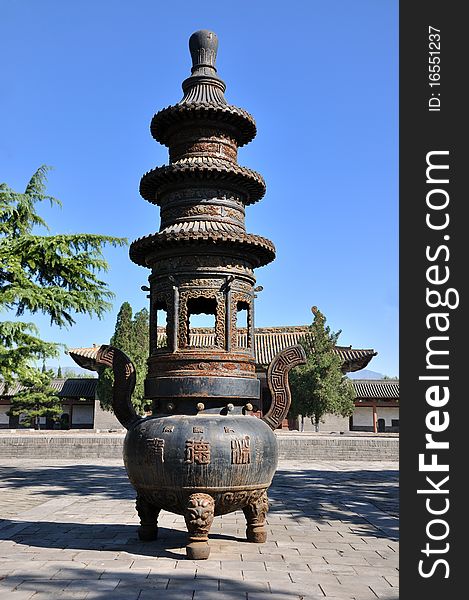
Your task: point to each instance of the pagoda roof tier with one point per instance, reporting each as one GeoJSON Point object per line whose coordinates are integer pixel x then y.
{"type": "Point", "coordinates": [204, 226]}
{"type": "Point", "coordinates": [202, 170]}
{"type": "Point", "coordinates": [253, 247]}
{"type": "Point", "coordinates": [238, 122]}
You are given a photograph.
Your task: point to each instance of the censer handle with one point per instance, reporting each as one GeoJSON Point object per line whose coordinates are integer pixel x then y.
{"type": "Point", "coordinates": [124, 383]}
{"type": "Point", "coordinates": [277, 380]}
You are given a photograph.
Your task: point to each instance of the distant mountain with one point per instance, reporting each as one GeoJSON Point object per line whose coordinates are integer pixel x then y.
{"type": "Point", "coordinates": [365, 374]}
{"type": "Point", "coordinates": [72, 371]}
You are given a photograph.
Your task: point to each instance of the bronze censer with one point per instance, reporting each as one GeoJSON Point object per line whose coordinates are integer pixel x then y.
{"type": "Point", "coordinates": [201, 453]}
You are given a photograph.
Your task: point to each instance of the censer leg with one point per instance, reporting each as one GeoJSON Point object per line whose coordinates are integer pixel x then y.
{"type": "Point", "coordinates": [148, 514]}
{"type": "Point", "coordinates": [255, 514]}
{"type": "Point", "coordinates": [199, 517]}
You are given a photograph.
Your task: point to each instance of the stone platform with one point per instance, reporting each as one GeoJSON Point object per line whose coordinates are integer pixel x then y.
{"type": "Point", "coordinates": [68, 531]}
{"type": "Point", "coordinates": [292, 445]}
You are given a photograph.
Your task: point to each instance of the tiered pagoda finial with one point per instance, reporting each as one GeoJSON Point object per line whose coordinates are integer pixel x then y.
{"type": "Point", "coordinates": [204, 85]}
{"type": "Point", "coordinates": [202, 258]}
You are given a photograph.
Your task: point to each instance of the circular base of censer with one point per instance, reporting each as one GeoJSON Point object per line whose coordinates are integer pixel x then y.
{"type": "Point", "coordinates": [201, 467]}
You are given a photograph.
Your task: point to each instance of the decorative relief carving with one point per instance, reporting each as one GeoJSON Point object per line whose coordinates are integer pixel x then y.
{"type": "Point", "coordinates": [259, 452]}
{"type": "Point", "coordinates": [257, 509]}
{"type": "Point", "coordinates": [153, 451]}
{"type": "Point", "coordinates": [220, 368]}
{"type": "Point", "coordinates": [204, 133]}
{"type": "Point", "coordinates": [247, 299]}
{"type": "Point", "coordinates": [202, 194]}
{"type": "Point", "coordinates": [224, 502]}
{"type": "Point", "coordinates": [215, 147]}
{"type": "Point", "coordinates": [228, 430]}
{"type": "Point", "coordinates": [255, 513]}
{"type": "Point", "coordinates": [218, 264]}
{"type": "Point", "coordinates": [277, 380]}
{"type": "Point", "coordinates": [197, 430]}
{"type": "Point", "coordinates": [199, 516]}
{"type": "Point", "coordinates": [166, 499]}
{"type": "Point", "coordinates": [212, 283]}
{"type": "Point", "coordinates": [198, 452]}
{"type": "Point", "coordinates": [229, 501]}
{"type": "Point", "coordinates": [190, 211]}
{"type": "Point", "coordinates": [211, 210]}
{"type": "Point", "coordinates": [242, 286]}
{"type": "Point", "coordinates": [168, 429]}
{"type": "Point", "coordinates": [241, 451]}
{"type": "Point", "coordinates": [184, 296]}
{"type": "Point", "coordinates": [237, 215]}
{"type": "Point", "coordinates": [157, 299]}
{"type": "Point", "coordinates": [176, 500]}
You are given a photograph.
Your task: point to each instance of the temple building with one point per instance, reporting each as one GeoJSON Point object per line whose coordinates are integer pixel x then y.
{"type": "Point", "coordinates": [78, 396]}
{"type": "Point", "coordinates": [376, 403]}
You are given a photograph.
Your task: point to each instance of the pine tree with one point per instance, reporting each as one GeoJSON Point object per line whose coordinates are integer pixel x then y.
{"type": "Point", "coordinates": [131, 335]}
{"type": "Point", "coordinates": [36, 401]}
{"type": "Point", "coordinates": [56, 275]}
{"type": "Point", "coordinates": [59, 372]}
{"type": "Point", "coordinates": [139, 353]}
{"type": "Point", "coordinates": [319, 387]}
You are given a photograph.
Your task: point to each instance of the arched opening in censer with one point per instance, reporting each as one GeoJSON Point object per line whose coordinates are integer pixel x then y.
{"type": "Point", "coordinates": [201, 312]}
{"type": "Point", "coordinates": [242, 322]}
{"type": "Point", "coordinates": [161, 311]}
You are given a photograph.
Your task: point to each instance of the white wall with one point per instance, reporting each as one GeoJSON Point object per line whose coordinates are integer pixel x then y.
{"type": "Point", "coordinates": [363, 415]}
{"type": "Point", "coordinates": [4, 418]}
{"type": "Point", "coordinates": [82, 415]}
{"type": "Point", "coordinates": [388, 414]}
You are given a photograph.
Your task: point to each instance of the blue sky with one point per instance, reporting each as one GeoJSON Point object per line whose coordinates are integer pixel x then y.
{"type": "Point", "coordinates": [81, 81]}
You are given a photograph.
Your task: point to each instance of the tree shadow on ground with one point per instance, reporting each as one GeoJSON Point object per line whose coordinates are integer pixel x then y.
{"type": "Point", "coordinates": [355, 497]}
{"type": "Point", "coordinates": [110, 481]}
{"type": "Point", "coordinates": [125, 584]}
{"type": "Point", "coordinates": [57, 577]}
{"type": "Point", "coordinates": [361, 498]}
{"type": "Point", "coordinates": [95, 536]}
{"type": "Point", "coordinates": [108, 537]}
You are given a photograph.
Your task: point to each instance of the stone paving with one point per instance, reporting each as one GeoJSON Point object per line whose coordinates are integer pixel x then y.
{"type": "Point", "coordinates": [68, 530]}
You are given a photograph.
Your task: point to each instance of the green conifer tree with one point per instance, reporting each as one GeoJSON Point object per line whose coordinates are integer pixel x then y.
{"type": "Point", "coordinates": [319, 387]}
{"type": "Point", "coordinates": [56, 275]}
{"type": "Point", "coordinates": [140, 348]}
{"type": "Point", "coordinates": [131, 335]}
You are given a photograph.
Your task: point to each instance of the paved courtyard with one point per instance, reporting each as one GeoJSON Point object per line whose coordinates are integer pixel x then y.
{"type": "Point", "coordinates": [68, 530]}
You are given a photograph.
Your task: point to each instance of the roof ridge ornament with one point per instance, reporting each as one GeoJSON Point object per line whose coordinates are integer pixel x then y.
{"type": "Point", "coordinates": [204, 85]}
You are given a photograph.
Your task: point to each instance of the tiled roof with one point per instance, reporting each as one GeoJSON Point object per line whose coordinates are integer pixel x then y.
{"type": "Point", "coordinates": [205, 168]}
{"type": "Point", "coordinates": [256, 246]}
{"type": "Point", "coordinates": [202, 226]}
{"type": "Point", "coordinates": [269, 341]}
{"type": "Point", "coordinates": [376, 389]}
{"type": "Point", "coordinates": [244, 127]}
{"type": "Point", "coordinates": [66, 388]}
